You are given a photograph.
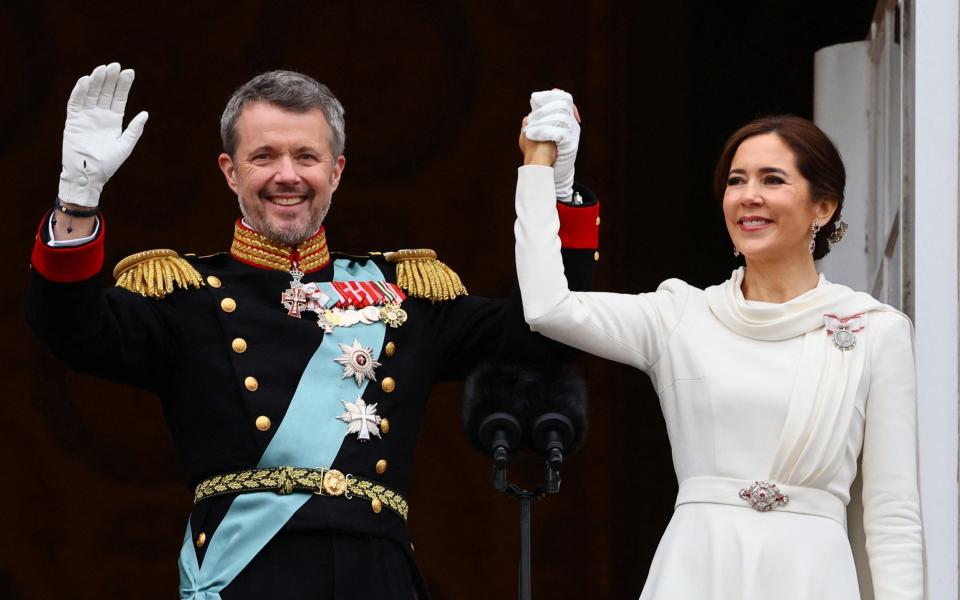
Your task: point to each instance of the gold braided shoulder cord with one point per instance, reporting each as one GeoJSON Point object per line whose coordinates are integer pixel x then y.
{"type": "Point", "coordinates": [422, 275]}
{"type": "Point", "coordinates": [156, 273]}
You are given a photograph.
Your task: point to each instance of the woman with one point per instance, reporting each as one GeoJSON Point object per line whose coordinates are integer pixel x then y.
{"type": "Point", "coordinates": [771, 383]}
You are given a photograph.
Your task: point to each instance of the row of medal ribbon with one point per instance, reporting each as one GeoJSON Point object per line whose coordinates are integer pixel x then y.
{"type": "Point", "coordinates": [345, 303]}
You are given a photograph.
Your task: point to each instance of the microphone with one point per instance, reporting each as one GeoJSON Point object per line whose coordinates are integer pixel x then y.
{"type": "Point", "coordinates": [558, 419]}
{"type": "Point", "coordinates": [496, 397]}
{"type": "Point", "coordinates": [549, 399]}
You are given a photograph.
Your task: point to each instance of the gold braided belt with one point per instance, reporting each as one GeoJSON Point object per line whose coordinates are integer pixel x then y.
{"type": "Point", "coordinates": [286, 480]}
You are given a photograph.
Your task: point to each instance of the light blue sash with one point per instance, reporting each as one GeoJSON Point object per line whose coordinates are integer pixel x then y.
{"type": "Point", "coordinates": [309, 436]}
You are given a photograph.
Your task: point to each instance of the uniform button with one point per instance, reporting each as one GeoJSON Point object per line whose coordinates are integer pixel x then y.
{"type": "Point", "coordinates": [596, 255]}
{"type": "Point", "coordinates": [228, 305]}
{"type": "Point", "coordinates": [201, 539]}
{"type": "Point", "coordinates": [263, 423]}
{"type": "Point", "coordinates": [598, 221]}
{"type": "Point", "coordinates": [384, 426]}
{"type": "Point", "coordinates": [213, 281]}
{"type": "Point", "coordinates": [391, 349]}
{"type": "Point", "coordinates": [381, 466]}
{"type": "Point", "coordinates": [376, 505]}
{"type": "Point", "coordinates": [239, 345]}
{"type": "Point", "coordinates": [388, 384]}
{"type": "Point", "coordinates": [251, 383]}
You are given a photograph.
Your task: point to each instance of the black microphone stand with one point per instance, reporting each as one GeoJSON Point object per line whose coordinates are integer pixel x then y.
{"type": "Point", "coordinates": [550, 432]}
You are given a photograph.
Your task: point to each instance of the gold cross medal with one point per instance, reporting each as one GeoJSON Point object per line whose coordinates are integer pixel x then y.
{"type": "Point", "coordinates": [357, 362]}
{"type": "Point", "coordinates": [361, 418]}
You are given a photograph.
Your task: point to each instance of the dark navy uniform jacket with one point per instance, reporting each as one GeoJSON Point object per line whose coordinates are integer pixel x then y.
{"type": "Point", "coordinates": [237, 357]}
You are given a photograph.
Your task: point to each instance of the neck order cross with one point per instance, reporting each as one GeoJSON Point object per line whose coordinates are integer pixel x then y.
{"type": "Point", "coordinates": [294, 299]}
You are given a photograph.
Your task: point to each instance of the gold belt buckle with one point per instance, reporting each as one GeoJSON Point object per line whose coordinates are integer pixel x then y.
{"type": "Point", "coordinates": [333, 482]}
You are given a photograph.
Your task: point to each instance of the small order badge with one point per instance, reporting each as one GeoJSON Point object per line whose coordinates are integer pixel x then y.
{"type": "Point", "coordinates": [764, 496]}
{"type": "Point", "coordinates": [843, 328]}
{"type": "Point", "coordinates": [393, 315]}
{"type": "Point", "coordinates": [357, 362]}
{"type": "Point", "coordinates": [361, 418]}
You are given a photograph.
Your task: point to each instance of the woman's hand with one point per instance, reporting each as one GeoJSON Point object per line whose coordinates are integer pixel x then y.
{"type": "Point", "coordinates": [550, 136]}
{"type": "Point", "coordinates": [536, 153]}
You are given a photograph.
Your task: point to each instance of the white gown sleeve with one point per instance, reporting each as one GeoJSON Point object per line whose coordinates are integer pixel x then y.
{"type": "Point", "coordinates": [629, 328]}
{"type": "Point", "coordinates": [891, 500]}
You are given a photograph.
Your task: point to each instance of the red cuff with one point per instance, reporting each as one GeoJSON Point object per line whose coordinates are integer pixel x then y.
{"type": "Point", "coordinates": [67, 264]}
{"type": "Point", "coordinates": [579, 226]}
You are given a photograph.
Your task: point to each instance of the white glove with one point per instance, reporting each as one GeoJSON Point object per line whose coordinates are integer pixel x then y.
{"type": "Point", "coordinates": [94, 143]}
{"type": "Point", "coordinates": [553, 119]}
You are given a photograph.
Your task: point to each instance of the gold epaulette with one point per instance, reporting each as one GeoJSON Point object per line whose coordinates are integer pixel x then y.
{"type": "Point", "coordinates": [422, 275]}
{"type": "Point", "coordinates": [154, 273]}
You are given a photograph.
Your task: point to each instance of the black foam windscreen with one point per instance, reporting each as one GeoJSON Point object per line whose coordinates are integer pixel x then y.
{"type": "Point", "coordinates": [525, 392]}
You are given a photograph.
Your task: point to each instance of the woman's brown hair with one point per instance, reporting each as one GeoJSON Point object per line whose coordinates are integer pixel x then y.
{"type": "Point", "coordinates": [817, 160]}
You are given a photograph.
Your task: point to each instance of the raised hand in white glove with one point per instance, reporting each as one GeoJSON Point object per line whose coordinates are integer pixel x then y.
{"type": "Point", "coordinates": [94, 142]}
{"type": "Point", "coordinates": [554, 118]}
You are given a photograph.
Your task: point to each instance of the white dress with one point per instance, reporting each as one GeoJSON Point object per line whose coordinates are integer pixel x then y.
{"type": "Point", "coordinates": [726, 399]}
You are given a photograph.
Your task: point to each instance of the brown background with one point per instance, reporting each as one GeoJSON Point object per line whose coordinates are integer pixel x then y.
{"type": "Point", "coordinates": [92, 506]}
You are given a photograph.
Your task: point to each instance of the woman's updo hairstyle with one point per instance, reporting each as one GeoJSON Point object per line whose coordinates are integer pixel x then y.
{"type": "Point", "coordinates": [817, 160]}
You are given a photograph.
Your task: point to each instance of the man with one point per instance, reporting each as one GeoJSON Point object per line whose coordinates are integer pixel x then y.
{"type": "Point", "coordinates": [293, 380]}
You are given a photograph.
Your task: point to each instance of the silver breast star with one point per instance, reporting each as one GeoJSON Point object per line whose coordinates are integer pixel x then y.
{"type": "Point", "coordinates": [357, 362]}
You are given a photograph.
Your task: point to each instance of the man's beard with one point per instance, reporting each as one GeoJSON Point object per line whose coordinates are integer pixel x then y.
{"type": "Point", "coordinates": [293, 234]}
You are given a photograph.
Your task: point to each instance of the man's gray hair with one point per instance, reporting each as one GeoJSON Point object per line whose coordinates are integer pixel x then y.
{"type": "Point", "coordinates": [288, 90]}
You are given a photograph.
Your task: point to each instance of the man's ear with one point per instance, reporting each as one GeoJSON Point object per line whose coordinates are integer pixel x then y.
{"type": "Point", "coordinates": [229, 171]}
{"type": "Point", "coordinates": [336, 172]}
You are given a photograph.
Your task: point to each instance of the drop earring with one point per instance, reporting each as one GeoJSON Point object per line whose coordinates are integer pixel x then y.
{"type": "Point", "coordinates": [840, 229]}
{"type": "Point", "coordinates": [736, 252]}
{"type": "Point", "coordinates": [815, 228]}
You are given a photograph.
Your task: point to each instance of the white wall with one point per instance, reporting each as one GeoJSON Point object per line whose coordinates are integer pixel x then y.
{"type": "Point", "coordinates": [840, 100]}
{"type": "Point", "coordinates": [937, 138]}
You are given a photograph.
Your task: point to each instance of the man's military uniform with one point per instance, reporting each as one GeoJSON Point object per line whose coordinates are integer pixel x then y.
{"type": "Point", "coordinates": [300, 382]}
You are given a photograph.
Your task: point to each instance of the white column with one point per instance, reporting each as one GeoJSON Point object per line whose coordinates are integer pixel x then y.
{"type": "Point", "coordinates": [937, 138]}
{"type": "Point", "coordinates": [841, 95]}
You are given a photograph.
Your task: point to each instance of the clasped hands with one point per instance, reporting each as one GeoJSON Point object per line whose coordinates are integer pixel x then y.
{"type": "Point", "coordinates": [550, 135]}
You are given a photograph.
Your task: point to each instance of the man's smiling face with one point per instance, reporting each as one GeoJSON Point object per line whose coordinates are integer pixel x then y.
{"type": "Point", "coordinates": [283, 171]}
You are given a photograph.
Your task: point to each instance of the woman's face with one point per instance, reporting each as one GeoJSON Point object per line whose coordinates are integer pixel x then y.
{"type": "Point", "coordinates": [767, 205]}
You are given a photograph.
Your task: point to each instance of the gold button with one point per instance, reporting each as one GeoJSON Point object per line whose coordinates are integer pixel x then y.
{"type": "Point", "coordinates": [251, 383]}
{"type": "Point", "coordinates": [381, 466]}
{"type": "Point", "coordinates": [213, 281]}
{"type": "Point", "coordinates": [390, 349]}
{"type": "Point", "coordinates": [239, 345]}
{"type": "Point", "coordinates": [596, 255]}
{"type": "Point", "coordinates": [228, 305]}
{"type": "Point", "coordinates": [376, 505]}
{"type": "Point", "coordinates": [263, 423]}
{"type": "Point", "coordinates": [201, 539]}
{"type": "Point", "coordinates": [388, 384]}
{"type": "Point", "coordinates": [384, 426]}
{"type": "Point", "coordinates": [598, 221]}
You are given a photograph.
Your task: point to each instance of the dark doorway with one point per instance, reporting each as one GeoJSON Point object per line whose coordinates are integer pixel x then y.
{"type": "Point", "coordinates": [434, 95]}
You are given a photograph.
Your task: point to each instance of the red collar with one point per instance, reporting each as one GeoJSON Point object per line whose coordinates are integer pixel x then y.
{"type": "Point", "coordinates": [256, 250]}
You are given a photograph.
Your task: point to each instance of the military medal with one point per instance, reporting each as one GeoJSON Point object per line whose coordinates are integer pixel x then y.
{"type": "Point", "coordinates": [361, 418]}
{"type": "Point", "coordinates": [294, 299]}
{"type": "Point", "coordinates": [357, 362]}
{"type": "Point", "coordinates": [354, 302]}
{"type": "Point", "coordinates": [842, 329]}
{"type": "Point", "coordinates": [393, 315]}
